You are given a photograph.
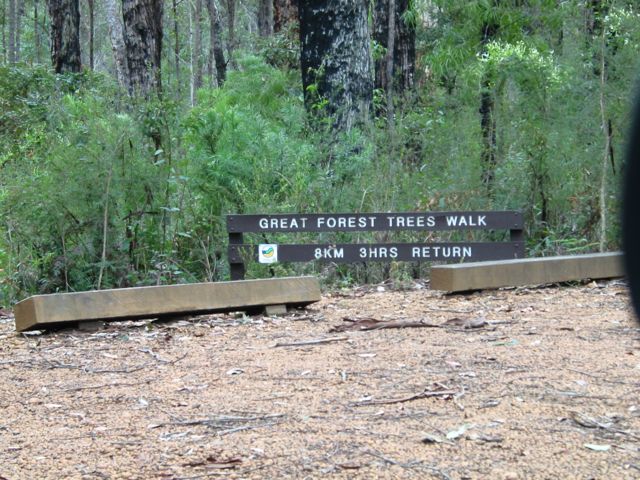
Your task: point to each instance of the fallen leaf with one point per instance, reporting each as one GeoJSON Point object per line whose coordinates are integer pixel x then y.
{"type": "Point", "coordinates": [597, 448]}
{"type": "Point", "coordinates": [430, 438]}
{"type": "Point", "coordinates": [453, 434]}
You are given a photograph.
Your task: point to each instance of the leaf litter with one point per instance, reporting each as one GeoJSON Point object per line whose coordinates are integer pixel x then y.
{"type": "Point", "coordinates": [416, 384]}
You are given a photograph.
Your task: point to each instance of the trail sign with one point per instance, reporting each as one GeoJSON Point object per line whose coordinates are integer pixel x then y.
{"type": "Point", "coordinates": [239, 252]}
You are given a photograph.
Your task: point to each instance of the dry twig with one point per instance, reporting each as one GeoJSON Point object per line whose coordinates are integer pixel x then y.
{"type": "Point", "coordinates": [305, 343]}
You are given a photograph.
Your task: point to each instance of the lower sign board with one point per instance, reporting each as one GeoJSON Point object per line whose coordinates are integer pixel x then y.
{"type": "Point", "coordinates": [406, 252]}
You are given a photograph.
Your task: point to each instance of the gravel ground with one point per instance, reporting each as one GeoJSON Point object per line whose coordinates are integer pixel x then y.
{"type": "Point", "coordinates": [509, 384]}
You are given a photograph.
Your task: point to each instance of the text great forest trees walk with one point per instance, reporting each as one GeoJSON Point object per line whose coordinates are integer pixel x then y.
{"type": "Point", "coordinates": [166, 115]}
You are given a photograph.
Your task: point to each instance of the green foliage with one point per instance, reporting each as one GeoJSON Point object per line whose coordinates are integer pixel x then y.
{"type": "Point", "coordinates": [84, 168]}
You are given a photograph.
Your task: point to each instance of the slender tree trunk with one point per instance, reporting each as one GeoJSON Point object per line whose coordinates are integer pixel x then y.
{"type": "Point", "coordinates": [265, 17]}
{"type": "Point", "coordinates": [336, 59]}
{"type": "Point", "coordinates": [114, 20]}
{"type": "Point", "coordinates": [402, 52]}
{"type": "Point", "coordinates": [231, 23]}
{"type": "Point", "coordinates": [90, 4]}
{"type": "Point", "coordinates": [19, 15]}
{"type": "Point", "coordinates": [487, 114]}
{"type": "Point", "coordinates": [215, 35]}
{"type": "Point", "coordinates": [36, 31]}
{"type": "Point", "coordinates": [5, 55]}
{"type": "Point", "coordinates": [176, 45]}
{"type": "Point", "coordinates": [12, 32]}
{"type": "Point", "coordinates": [285, 14]}
{"type": "Point", "coordinates": [391, 38]}
{"type": "Point", "coordinates": [143, 44]}
{"type": "Point", "coordinates": [196, 49]}
{"type": "Point", "coordinates": [65, 35]}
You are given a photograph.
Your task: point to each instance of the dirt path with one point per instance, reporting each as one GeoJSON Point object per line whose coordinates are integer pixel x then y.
{"type": "Point", "coordinates": [545, 385]}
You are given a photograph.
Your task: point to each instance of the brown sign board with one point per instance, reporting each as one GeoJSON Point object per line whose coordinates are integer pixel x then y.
{"type": "Point", "coordinates": [267, 253]}
{"type": "Point", "coordinates": [385, 252]}
{"type": "Point", "coordinates": [371, 222]}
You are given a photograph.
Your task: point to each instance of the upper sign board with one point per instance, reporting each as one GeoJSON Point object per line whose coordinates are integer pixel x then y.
{"type": "Point", "coordinates": [370, 222]}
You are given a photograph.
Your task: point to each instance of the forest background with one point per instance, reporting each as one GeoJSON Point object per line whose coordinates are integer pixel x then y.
{"type": "Point", "coordinates": [129, 128]}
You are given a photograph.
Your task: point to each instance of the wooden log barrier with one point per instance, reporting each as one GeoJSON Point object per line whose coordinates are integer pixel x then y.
{"type": "Point", "coordinates": [529, 271]}
{"type": "Point", "coordinates": [42, 311]}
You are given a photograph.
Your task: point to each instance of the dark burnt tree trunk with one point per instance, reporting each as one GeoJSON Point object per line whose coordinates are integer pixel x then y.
{"type": "Point", "coordinates": [403, 41]}
{"type": "Point", "coordinates": [231, 37]}
{"type": "Point", "coordinates": [265, 17]}
{"type": "Point", "coordinates": [65, 35]}
{"type": "Point", "coordinates": [285, 14]}
{"type": "Point", "coordinates": [216, 53]}
{"type": "Point", "coordinates": [336, 59]}
{"type": "Point", "coordinates": [487, 114]}
{"type": "Point", "coordinates": [143, 44]}
{"type": "Point", "coordinates": [90, 4]}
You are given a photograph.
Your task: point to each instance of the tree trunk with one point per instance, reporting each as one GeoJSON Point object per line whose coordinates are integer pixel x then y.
{"type": "Point", "coordinates": [285, 13]}
{"type": "Point", "coordinates": [90, 4]}
{"type": "Point", "coordinates": [336, 59]}
{"type": "Point", "coordinates": [176, 45]}
{"type": "Point", "coordinates": [196, 49]}
{"type": "Point", "coordinates": [389, 60]}
{"type": "Point", "coordinates": [65, 35]}
{"type": "Point", "coordinates": [231, 23]}
{"type": "Point", "coordinates": [403, 51]}
{"type": "Point", "coordinates": [143, 44]}
{"type": "Point", "coordinates": [216, 54]}
{"type": "Point", "coordinates": [487, 116]}
{"type": "Point", "coordinates": [11, 51]}
{"type": "Point", "coordinates": [265, 17]}
{"type": "Point", "coordinates": [36, 32]}
{"type": "Point", "coordinates": [114, 20]}
{"type": "Point", "coordinates": [19, 15]}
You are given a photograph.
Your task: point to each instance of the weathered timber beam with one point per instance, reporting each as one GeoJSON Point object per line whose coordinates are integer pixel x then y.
{"type": "Point", "coordinates": [529, 271]}
{"type": "Point", "coordinates": [42, 311]}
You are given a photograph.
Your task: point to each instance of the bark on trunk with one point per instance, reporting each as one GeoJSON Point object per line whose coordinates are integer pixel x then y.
{"type": "Point", "coordinates": [216, 54]}
{"type": "Point", "coordinates": [114, 20]}
{"type": "Point", "coordinates": [65, 35]}
{"type": "Point", "coordinates": [19, 15]}
{"type": "Point", "coordinates": [336, 59]}
{"type": "Point", "coordinates": [4, 33]}
{"type": "Point", "coordinates": [265, 18]}
{"type": "Point", "coordinates": [176, 45]}
{"type": "Point", "coordinates": [11, 50]}
{"type": "Point", "coordinates": [143, 44]}
{"type": "Point", "coordinates": [231, 23]}
{"type": "Point", "coordinates": [90, 4]}
{"type": "Point", "coordinates": [403, 49]}
{"type": "Point", "coordinates": [196, 50]}
{"type": "Point", "coordinates": [285, 14]}
{"type": "Point", "coordinates": [36, 31]}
